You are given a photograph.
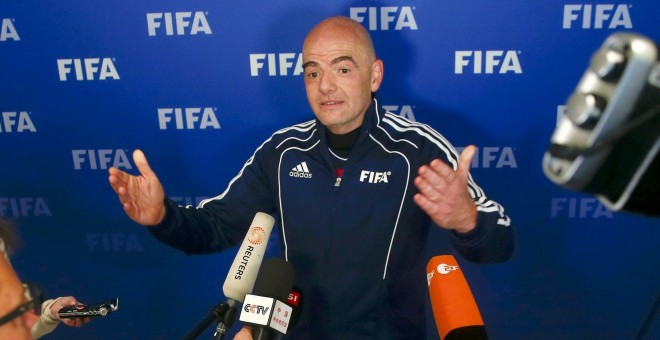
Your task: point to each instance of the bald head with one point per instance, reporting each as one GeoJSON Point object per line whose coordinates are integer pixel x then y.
{"type": "Point", "coordinates": [341, 73]}
{"type": "Point", "coordinates": [348, 29]}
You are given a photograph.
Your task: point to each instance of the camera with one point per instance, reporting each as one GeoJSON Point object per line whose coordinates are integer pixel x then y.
{"type": "Point", "coordinates": [608, 141]}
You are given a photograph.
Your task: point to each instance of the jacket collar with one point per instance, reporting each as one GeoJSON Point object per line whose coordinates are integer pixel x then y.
{"type": "Point", "coordinates": [371, 120]}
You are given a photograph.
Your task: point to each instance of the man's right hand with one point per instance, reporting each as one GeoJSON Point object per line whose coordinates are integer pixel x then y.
{"type": "Point", "coordinates": [143, 197]}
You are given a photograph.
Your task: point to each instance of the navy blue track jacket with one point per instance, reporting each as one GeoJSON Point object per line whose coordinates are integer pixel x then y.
{"type": "Point", "coordinates": [355, 242]}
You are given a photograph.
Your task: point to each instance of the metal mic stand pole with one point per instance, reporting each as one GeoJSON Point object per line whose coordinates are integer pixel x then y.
{"type": "Point", "coordinates": [226, 321]}
{"type": "Point", "coordinates": [217, 312]}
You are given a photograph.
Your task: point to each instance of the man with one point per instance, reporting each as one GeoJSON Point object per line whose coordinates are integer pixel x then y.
{"type": "Point", "coordinates": [19, 317]}
{"type": "Point", "coordinates": [353, 220]}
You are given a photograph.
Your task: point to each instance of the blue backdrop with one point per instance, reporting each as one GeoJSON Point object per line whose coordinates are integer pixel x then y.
{"type": "Point", "coordinates": [199, 84]}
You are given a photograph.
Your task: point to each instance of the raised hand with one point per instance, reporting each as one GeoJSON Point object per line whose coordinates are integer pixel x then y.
{"type": "Point", "coordinates": [443, 193]}
{"type": "Point", "coordinates": [142, 196]}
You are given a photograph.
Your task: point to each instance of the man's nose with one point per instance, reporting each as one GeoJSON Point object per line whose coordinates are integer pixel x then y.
{"type": "Point", "coordinates": [327, 83]}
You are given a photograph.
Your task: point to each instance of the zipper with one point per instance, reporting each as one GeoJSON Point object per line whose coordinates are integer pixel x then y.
{"type": "Point", "coordinates": [340, 172]}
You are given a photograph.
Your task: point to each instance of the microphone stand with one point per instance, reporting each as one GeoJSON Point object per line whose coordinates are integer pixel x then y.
{"type": "Point", "coordinates": [227, 321]}
{"type": "Point", "coordinates": [225, 312]}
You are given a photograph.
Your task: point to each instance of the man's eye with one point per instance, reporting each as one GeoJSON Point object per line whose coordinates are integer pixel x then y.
{"type": "Point", "coordinates": [312, 74]}
{"type": "Point", "coordinates": [344, 70]}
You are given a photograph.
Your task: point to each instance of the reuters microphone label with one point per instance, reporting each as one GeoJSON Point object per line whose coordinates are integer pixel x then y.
{"type": "Point", "coordinates": [256, 235]}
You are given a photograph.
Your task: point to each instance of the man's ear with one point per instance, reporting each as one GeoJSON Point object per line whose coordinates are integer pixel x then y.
{"type": "Point", "coordinates": [376, 74]}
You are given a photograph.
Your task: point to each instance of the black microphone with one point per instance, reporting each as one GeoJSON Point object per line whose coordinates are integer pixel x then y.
{"type": "Point", "coordinates": [295, 300]}
{"type": "Point", "coordinates": [266, 310]}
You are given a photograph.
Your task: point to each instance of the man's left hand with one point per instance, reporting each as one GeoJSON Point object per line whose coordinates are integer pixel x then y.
{"type": "Point", "coordinates": [443, 193]}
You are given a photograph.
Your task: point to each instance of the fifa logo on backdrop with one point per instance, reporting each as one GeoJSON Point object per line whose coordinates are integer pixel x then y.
{"type": "Point", "coordinates": [100, 159]}
{"type": "Point", "coordinates": [8, 31]}
{"type": "Point", "coordinates": [23, 207]}
{"type": "Point", "coordinates": [113, 243]}
{"type": "Point", "coordinates": [587, 207]}
{"type": "Point", "coordinates": [87, 69]}
{"type": "Point", "coordinates": [277, 64]}
{"type": "Point", "coordinates": [597, 16]}
{"type": "Point", "coordinates": [189, 118]}
{"type": "Point", "coordinates": [487, 62]}
{"type": "Point", "coordinates": [493, 157]}
{"type": "Point", "coordinates": [179, 23]}
{"type": "Point", "coordinates": [405, 111]}
{"type": "Point", "coordinates": [16, 122]}
{"type": "Point", "coordinates": [382, 18]}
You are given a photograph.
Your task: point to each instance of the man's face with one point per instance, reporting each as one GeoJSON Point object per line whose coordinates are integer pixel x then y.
{"type": "Point", "coordinates": [12, 295]}
{"type": "Point", "coordinates": [340, 76]}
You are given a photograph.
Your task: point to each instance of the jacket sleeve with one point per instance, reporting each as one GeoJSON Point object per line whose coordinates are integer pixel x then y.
{"type": "Point", "coordinates": [222, 221]}
{"type": "Point", "coordinates": [46, 323]}
{"type": "Point", "coordinates": [488, 242]}
{"type": "Point", "coordinates": [492, 240]}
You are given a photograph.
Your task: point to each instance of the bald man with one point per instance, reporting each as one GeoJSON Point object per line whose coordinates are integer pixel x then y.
{"type": "Point", "coordinates": [354, 191]}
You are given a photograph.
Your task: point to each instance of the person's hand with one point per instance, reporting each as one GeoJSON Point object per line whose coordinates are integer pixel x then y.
{"type": "Point", "coordinates": [443, 193]}
{"type": "Point", "coordinates": [64, 302]}
{"type": "Point", "coordinates": [142, 196]}
{"type": "Point", "coordinates": [244, 334]}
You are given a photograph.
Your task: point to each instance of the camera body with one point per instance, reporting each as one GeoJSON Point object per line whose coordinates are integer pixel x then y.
{"type": "Point", "coordinates": [608, 141]}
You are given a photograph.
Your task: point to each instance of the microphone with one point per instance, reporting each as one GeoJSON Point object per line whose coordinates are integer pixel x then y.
{"type": "Point", "coordinates": [241, 277]}
{"type": "Point", "coordinates": [454, 308]}
{"type": "Point", "coordinates": [295, 300]}
{"type": "Point", "coordinates": [243, 272]}
{"type": "Point", "coordinates": [266, 310]}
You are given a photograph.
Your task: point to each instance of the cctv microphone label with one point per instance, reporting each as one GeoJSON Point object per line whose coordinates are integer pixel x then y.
{"type": "Point", "coordinates": [281, 317]}
{"type": "Point", "coordinates": [256, 309]}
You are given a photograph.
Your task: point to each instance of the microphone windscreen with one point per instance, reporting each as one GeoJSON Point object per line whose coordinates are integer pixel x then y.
{"type": "Point", "coordinates": [243, 272]}
{"type": "Point", "coordinates": [454, 308]}
{"type": "Point", "coordinates": [275, 279]}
